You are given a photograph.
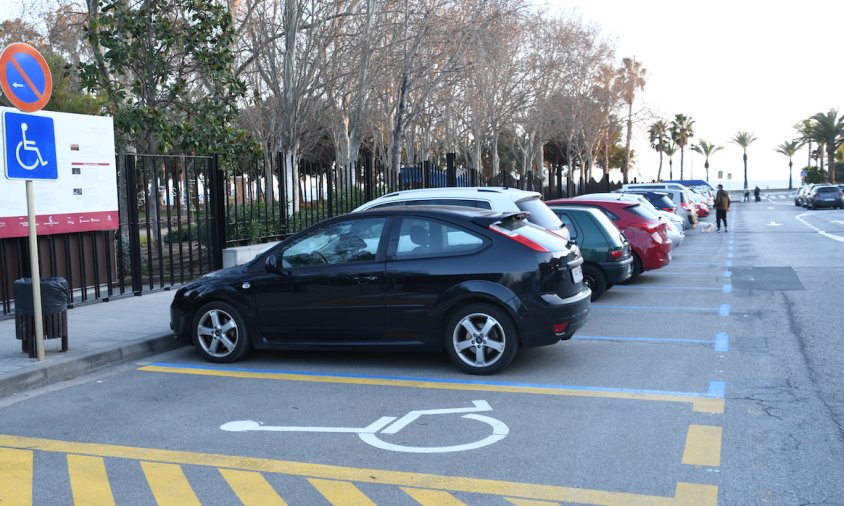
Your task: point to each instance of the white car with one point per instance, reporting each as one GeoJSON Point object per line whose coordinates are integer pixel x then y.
{"type": "Point", "coordinates": [495, 198]}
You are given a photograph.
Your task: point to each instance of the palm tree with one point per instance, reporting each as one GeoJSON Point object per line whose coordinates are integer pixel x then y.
{"type": "Point", "coordinates": [827, 129]}
{"type": "Point", "coordinates": [681, 132]}
{"type": "Point", "coordinates": [707, 149]}
{"type": "Point", "coordinates": [744, 139]}
{"type": "Point", "coordinates": [629, 78]}
{"type": "Point", "coordinates": [670, 149]}
{"type": "Point", "coordinates": [658, 135]}
{"type": "Point", "coordinates": [788, 148]}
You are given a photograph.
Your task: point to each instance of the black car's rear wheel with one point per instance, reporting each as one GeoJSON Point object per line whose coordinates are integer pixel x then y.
{"type": "Point", "coordinates": [219, 333]}
{"type": "Point", "coordinates": [481, 339]}
{"type": "Point", "coordinates": [595, 279]}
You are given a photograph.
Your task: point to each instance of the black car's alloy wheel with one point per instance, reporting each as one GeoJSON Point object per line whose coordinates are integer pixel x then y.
{"type": "Point", "coordinates": [595, 279]}
{"type": "Point", "coordinates": [481, 339]}
{"type": "Point", "coordinates": [219, 333]}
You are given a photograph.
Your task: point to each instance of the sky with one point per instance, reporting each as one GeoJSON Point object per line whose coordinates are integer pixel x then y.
{"type": "Point", "coordinates": [738, 65]}
{"type": "Point", "coordinates": [730, 65]}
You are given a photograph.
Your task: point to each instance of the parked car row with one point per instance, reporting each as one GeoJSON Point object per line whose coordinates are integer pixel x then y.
{"type": "Point", "coordinates": [814, 196]}
{"type": "Point", "coordinates": [477, 272]}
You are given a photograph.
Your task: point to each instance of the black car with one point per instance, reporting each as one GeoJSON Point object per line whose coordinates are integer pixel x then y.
{"type": "Point", "coordinates": [824, 195]}
{"type": "Point", "coordinates": [477, 283]}
{"type": "Point", "coordinates": [607, 258]}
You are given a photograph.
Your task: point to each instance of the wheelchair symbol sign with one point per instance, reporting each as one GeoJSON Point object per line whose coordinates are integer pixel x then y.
{"type": "Point", "coordinates": [30, 146]}
{"type": "Point", "coordinates": [494, 431]}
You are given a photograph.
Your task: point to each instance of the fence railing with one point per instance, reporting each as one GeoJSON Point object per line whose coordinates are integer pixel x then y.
{"type": "Point", "coordinates": [178, 213]}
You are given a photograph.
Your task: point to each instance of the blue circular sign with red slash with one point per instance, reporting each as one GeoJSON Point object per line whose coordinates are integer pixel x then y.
{"type": "Point", "coordinates": [25, 77]}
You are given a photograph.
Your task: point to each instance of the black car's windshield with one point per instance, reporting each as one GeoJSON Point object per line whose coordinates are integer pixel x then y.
{"type": "Point", "coordinates": [540, 214]}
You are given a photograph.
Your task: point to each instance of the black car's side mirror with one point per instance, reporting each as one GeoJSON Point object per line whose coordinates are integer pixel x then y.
{"type": "Point", "coordinates": [271, 264]}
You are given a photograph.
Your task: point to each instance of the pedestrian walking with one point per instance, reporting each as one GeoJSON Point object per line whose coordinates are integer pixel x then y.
{"type": "Point", "coordinates": [722, 205]}
{"type": "Point", "coordinates": [746, 194]}
{"type": "Point", "coordinates": [756, 194]}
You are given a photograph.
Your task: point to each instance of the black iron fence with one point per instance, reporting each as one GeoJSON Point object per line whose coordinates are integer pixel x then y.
{"type": "Point", "coordinates": [178, 213]}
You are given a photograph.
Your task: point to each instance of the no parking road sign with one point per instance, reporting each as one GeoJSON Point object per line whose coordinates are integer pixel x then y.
{"type": "Point", "coordinates": [25, 77]}
{"type": "Point", "coordinates": [29, 146]}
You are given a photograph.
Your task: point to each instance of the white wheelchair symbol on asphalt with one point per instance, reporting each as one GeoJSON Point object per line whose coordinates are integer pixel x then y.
{"type": "Point", "coordinates": [392, 425]}
{"type": "Point", "coordinates": [28, 146]}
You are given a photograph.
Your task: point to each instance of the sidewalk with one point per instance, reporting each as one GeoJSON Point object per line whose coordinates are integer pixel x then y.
{"type": "Point", "coordinates": [100, 334]}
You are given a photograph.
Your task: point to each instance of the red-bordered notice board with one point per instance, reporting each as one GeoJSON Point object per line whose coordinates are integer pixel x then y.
{"type": "Point", "coordinates": [83, 198]}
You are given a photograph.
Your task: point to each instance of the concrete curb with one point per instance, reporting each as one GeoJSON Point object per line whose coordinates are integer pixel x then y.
{"type": "Point", "coordinates": [54, 372]}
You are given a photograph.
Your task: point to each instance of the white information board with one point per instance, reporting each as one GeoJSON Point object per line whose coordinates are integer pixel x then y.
{"type": "Point", "coordinates": [84, 197]}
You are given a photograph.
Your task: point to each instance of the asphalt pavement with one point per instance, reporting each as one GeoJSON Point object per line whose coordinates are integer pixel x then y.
{"type": "Point", "coordinates": [100, 335]}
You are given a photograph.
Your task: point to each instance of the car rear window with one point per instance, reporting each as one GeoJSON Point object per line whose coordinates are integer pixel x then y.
{"type": "Point", "coordinates": [535, 233]}
{"type": "Point", "coordinates": [642, 212]}
{"type": "Point", "coordinates": [828, 189]}
{"type": "Point", "coordinates": [540, 213]}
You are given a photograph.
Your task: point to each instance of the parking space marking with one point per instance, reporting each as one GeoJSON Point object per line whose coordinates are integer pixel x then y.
{"type": "Point", "coordinates": [432, 497]}
{"type": "Point", "coordinates": [703, 446]}
{"type": "Point", "coordinates": [166, 461]}
{"type": "Point", "coordinates": [15, 476]}
{"type": "Point", "coordinates": [662, 288]}
{"type": "Point", "coordinates": [710, 402]}
{"type": "Point", "coordinates": [723, 310]}
{"type": "Point", "coordinates": [251, 488]}
{"type": "Point", "coordinates": [719, 343]}
{"type": "Point", "coordinates": [169, 484]}
{"type": "Point", "coordinates": [89, 480]}
{"type": "Point", "coordinates": [341, 493]}
{"type": "Point", "coordinates": [728, 289]}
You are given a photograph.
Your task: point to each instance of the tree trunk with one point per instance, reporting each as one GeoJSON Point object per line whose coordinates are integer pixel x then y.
{"type": "Point", "coordinates": [830, 162]}
{"type": "Point", "coordinates": [626, 167]}
{"type": "Point", "coordinates": [744, 158]}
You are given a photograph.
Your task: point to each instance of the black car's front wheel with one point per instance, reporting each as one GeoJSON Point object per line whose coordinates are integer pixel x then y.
{"type": "Point", "coordinates": [481, 339]}
{"type": "Point", "coordinates": [219, 333]}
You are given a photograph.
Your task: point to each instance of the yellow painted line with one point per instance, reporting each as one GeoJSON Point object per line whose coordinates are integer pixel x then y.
{"type": "Point", "coordinates": [703, 446]}
{"type": "Point", "coordinates": [15, 477]}
{"type": "Point", "coordinates": [341, 493]}
{"type": "Point", "coordinates": [89, 481]}
{"type": "Point", "coordinates": [527, 502]}
{"type": "Point", "coordinates": [169, 484]}
{"type": "Point", "coordinates": [427, 497]}
{"type": "Point", "coordinates": [685, 493]}
{"type": "Point", "coordinates": [699, 404]}
{"type": "Point", "coordinates": [252, 488]}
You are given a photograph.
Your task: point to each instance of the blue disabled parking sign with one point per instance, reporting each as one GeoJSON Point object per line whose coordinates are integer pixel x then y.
{"type": "Point", "coordinates": [30, 146]}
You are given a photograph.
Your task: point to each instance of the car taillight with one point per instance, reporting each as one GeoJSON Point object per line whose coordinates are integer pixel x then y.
{"type": "Point", "coordinates": [559, 328]}
{"type": "Point", "coordinates": [524, 241]}
{"type": "Point", "coordinates": [684, 206]}
{"type": "Point", "coordinates": [650, 227]}
{"type": "Point", "coordinates": [669, 209]}
{"type": "Point", "coordinates": [616, 253]}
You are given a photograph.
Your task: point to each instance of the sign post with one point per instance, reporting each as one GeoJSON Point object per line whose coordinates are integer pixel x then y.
{"type": "Point", "coordinates": [26, 80]}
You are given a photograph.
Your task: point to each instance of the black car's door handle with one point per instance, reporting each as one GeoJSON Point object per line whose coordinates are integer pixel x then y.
{"type": "Point", "coordinates": [366, 279]}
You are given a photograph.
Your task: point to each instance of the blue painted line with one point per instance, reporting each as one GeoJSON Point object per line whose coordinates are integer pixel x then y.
{"type": "Point", "coordinates": [712, 392]}
{"type": "Point", "coordinates": [668, 340]}
{"type": "Point", "coordinates": [667, 309]}
{"type": "Point", "coordinates": [660, 288]}
{"type": "Point", "coordinates": [671, 273]}
{"type": "Point", "coordinates": [731, 241]}
{"type": "Point", "coordinates": [728, 274]}
{"type": "Point", "coordinates": [717, 389]}
{"type": "Point", "coordinates": [722, 341]}
{"type": "Point", "coordinates": [729, 264]}
{"type": "Point", "coordinates": [728, 288]}
{"type": "Point", "coordinates": [730, 254]}
{"type": "Point", "coordinates": [724, 310]}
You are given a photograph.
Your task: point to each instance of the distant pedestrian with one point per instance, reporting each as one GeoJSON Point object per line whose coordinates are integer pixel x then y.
{"type": "Point", "coordinates": [756, 194]}
{"type": "Point", "coordinates": [746, 194]}
{"type": "Point", "coordinates": [722, 205]}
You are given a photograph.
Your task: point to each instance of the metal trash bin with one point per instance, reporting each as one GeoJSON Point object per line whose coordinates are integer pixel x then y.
{"type": "Point", "coordinates": [54, 294]}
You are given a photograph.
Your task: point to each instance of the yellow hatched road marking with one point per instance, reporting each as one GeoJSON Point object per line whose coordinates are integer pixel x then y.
{"type": "Point", "coordinates": [341, 493]}
{"type": "Point", "coordinates": [700, 404]}
{"type": "Point", "coordinates": [685, 493]}
{"type": "Point", "coordinates": [15, 477]}
{"type": "Point", "coordinates": [427, 497]}
{"type": "Point", "coordinates": [251, 488]}
{"type": "Point", "coordinates": [169, 484]}
{"type": "Point", "coordinates": [528, 502]}
{"type": "Point", "coordinates": [703, 446]}
{"type": "Point", "coordinates": [89, 481]}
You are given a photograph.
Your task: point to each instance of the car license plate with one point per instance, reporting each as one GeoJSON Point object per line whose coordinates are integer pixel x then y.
{"type": "Point", "coordinates": [577, 274]}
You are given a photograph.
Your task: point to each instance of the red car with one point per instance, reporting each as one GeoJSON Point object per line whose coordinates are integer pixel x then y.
{"type": "Point", "coordinates": [651, 246]}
